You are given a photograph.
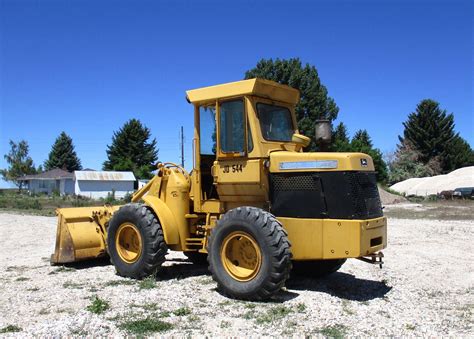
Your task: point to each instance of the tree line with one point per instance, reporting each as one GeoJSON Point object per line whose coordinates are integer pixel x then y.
{"type": "Point", "coordinates": [132, 149]}
{"type": "Point", "coordinates": [429, 144]}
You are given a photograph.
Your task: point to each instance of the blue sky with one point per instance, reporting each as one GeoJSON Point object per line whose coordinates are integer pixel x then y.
{"type": "Point", "coordinates": [86, 67]}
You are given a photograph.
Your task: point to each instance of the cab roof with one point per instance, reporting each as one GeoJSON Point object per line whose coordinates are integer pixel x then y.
{"type": "Point", "coordinates": [256, 87]}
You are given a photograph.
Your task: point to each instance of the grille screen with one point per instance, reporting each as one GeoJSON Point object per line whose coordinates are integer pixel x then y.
{"type": "Point", "coordinates": [295, 183]}
{"type": "Point", "coordinates": [344, 195]}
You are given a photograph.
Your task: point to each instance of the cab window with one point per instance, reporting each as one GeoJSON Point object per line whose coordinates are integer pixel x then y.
{"type": "Point", "coordinates": [207, 123]}
{"type": "Point", "coordinates": [275, 122]}
{"type": "Point", "coordinates": [232, 126]}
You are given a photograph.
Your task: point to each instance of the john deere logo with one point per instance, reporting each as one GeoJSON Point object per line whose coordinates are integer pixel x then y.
{"type": "Point", "coordinates": [363, 162]}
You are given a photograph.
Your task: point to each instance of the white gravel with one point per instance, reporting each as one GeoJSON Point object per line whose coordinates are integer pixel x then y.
{"type": "Point", "coordinates": [425, 289]}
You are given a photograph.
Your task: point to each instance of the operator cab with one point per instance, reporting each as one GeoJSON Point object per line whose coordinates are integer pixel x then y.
{"type": "Point", "coordinates": [237, 125]}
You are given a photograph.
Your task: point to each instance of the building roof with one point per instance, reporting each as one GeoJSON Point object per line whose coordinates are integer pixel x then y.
{"type": "Point", "coordinates": [104, 175]}
{"type": "Point", "coordinates": [258, 87]}
{"type": "Point", "coordinates": [53, 174]}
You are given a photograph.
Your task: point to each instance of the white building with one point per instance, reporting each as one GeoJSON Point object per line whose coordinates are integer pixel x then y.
{"type": "Point", "coordinates": [89, 183]}
{"type": "Point", "coordinates": [98, 184]}
{"type": "Point", "coordinates": [55, 180]}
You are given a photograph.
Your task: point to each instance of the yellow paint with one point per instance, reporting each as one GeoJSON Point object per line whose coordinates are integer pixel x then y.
{"type": "Point", "coordinates": [80, 233]}
{"type": "Point", "coordinates": [128, 243]}
{"type": "Point", "coordinates": [334, 238]}
{"type": "Point", "coordinates": [185, 212]}
{"type": "Point", "coordinates": [241, 256]}
{"type": "Point", "coordinates": [345, 161]}
{"type": "Point", "coordinates": [256, 87]}
{"type": "Point", "coordinates": [166, 218]}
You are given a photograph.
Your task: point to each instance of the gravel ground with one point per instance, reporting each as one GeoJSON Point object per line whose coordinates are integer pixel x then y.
{"type": "Point", "coordinates": [424, 289]}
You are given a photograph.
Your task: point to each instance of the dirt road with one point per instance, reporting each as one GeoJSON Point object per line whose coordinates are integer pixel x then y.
{"type": "Point", "coordinates": [425, 288]}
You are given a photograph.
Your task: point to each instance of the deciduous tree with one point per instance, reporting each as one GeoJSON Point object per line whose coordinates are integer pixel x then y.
{"type": "Point", "coordinates": [19, 163]}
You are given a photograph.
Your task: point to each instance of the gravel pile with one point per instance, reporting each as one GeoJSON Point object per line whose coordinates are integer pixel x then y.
{"type": "Point", "coordinates": [389, 199]}
{"type": "Point", "coordinates": [463, 177]}
{"type": "Point", "coordinates": [425, 288]}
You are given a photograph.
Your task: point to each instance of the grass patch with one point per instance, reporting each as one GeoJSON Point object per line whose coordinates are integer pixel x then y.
{"type": "Point", "coordinates": [346, 308]}
{"type": "Point", "coordinates": [61, 269]}
{"type": "Point", "coordinates": [73, 285]}
{"type": "Point", "coordinates": [147, 307]}
{"type": "Point", "coordinates": [148, 283]}
{"type": "Point", "coordinates": [249, 315]}
{"type": "Point", "coordinates": [206, 281]}
{"type": "Point", "coordinates": [165, 314]}
{"type": "Point", "coordinates": [225, 303]}
{"type": "Point", "coordinates": [440, 210]}
{"type": "Point", "coordinates": [10, 329]}
{"type": "Point", "coordinates": [301, 307]}
{"type": "Point", "coordinates": [33, 289]}
{"type": "Point", "coordinates": [119, 282]}
{"type": "Point", "coordinates": [22, 279]}
{"type": "Point", "coordinates": [16, 268]}
{"type": "Point", "coordinates": [273, 314]}
{"type": "Point", "coordinates": [193, 319]}
{"type": "Point", "coordinates": [98, 305]}
{"type": "Point", "coordinates": [182, 311]}
{"type": "Point", "coordinates": [225, 324]}
{"type": "Point", "coordinates": [410, 327]}
{"type": "Point", "coordinates": [43, 311]}
{"type": "Point", "coordinates": [145, 326]}
{"type": "Point", "coordinates": [336, 331]}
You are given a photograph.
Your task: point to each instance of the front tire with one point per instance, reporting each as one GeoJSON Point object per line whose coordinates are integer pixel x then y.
{"type": "Point", "coordinates": [249, 254]}
{"type": "Point", "coordinates": [135, 242]}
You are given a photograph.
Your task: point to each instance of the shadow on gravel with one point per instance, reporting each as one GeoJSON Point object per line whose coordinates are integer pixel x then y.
{"type": "Point", "coordinates": [341, 285]}
{"type": "Point", "coordinates": [80, 265]}
{"type": "Point", "coordinates": [182, 269]}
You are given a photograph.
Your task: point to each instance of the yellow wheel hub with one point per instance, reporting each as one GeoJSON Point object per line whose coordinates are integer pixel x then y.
{"type": "Point", "coordinates": [241, 256]}
{"type": "Point", "coordinates": [128, 243]}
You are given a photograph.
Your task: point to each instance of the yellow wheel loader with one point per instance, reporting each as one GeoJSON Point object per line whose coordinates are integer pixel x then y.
{"type": "Point", "coordinates": [254, 204]}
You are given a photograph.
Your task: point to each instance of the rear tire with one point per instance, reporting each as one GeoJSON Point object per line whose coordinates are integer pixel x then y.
{"type": "Point", "coordinates": [317, 268]}
{"type": "Point", "coordinates": [249, 254]}
{"type": "Point", "coordinates": [135, 242]}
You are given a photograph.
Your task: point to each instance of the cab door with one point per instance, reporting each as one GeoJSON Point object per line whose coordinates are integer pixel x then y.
{"type": "Point", "coordinates": [236, 176]}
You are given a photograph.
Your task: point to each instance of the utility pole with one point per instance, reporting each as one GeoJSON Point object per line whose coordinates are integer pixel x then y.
{"type": "Point", "coordinates": [182, 147]}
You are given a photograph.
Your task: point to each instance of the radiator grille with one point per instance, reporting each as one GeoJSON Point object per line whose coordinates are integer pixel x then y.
{"type": "Point", "coordinates": [344, 195]}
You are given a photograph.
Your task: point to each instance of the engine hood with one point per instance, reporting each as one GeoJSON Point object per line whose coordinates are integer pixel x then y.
{"type": "Point", "coordinates": [286, 161]}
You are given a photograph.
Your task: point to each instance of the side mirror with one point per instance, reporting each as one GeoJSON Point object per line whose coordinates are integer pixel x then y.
{"type": "Point", "coordinates": [300, 141]}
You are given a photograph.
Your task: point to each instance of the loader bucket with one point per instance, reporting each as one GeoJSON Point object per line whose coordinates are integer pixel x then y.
{"type": "Point", "coordinates": [81, 234]}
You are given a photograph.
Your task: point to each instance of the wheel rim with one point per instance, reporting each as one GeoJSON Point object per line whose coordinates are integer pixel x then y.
{"type": "Point", "coordinates": [241, 256]}
{"type": "Point", "coordinates": [128, 243]}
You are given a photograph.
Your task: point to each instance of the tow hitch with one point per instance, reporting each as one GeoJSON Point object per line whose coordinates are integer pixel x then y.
{"type": "Point", "coordinates": [375, 259]}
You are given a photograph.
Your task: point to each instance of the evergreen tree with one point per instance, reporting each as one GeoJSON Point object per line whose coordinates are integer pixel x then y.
{"type": "Point", "coordinates": [430, 130]}
{"type": "Point", "coordinates": [340, 139]}
{"type": "Point", "coordinates": [63, 155]}
{"type": "Point", "coordinates": [131, 150]}
{"type": "Point", "coordinates": [20, 163]}
{"type": "Point", "coordinates": [314, 103]}
{"type": "Point", "coordinates": [361, 142]}
{"type": "Point", "coordinates": [460, 154]}
{"type": "Point", "coordinates": [362, 137]}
